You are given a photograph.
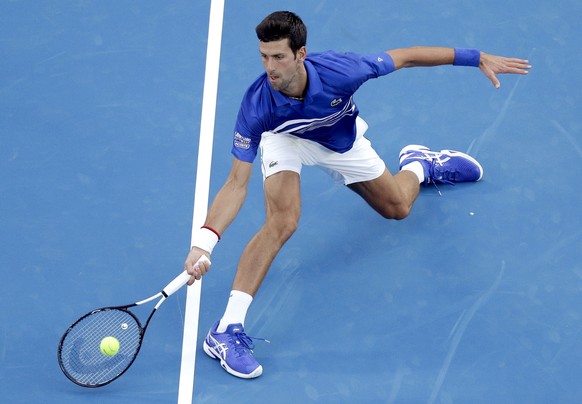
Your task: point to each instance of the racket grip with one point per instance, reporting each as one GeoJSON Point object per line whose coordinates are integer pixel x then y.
{"type": "Point", "coordinates": [181, 280]}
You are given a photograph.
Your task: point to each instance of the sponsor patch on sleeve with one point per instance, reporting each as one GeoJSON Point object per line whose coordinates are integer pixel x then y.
{"type": "Point", "coordinates": [241, 142]}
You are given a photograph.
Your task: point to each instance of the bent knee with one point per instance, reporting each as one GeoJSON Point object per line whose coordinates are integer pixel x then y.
{"type": "Point", "coordinates": [283, 226]}
{"type": "Point", "coordinates": [396, 212]}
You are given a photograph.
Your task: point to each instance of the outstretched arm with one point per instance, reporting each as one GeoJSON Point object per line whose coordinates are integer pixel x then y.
{"type": "Point", "coordinates": [490, 65]}
{"type": "Point", "coordinates": [222, 212]}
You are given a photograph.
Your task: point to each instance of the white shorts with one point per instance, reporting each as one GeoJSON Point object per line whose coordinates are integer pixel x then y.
{"type": "Point", "coordinates": [281, 152]}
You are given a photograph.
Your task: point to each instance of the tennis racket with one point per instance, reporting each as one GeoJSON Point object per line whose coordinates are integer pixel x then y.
{"type": "Point", "coordinates": [80, 356]}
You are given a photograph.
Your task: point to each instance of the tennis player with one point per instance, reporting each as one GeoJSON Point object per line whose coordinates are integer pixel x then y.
{"type": "Point", "coordinates": [300, 111]}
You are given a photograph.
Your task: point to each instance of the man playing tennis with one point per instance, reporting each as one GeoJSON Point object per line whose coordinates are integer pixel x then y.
{"type": "Point", "coordinates": [301, 112]}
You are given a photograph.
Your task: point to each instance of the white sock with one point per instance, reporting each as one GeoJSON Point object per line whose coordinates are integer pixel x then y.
{"type": "Point", "coordinates": [416, 168]}
{"type": "Point", "coordinates": [236, 310]}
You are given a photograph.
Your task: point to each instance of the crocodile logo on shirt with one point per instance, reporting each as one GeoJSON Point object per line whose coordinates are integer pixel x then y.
{"type": "Point", "coordinates": [336, 102]}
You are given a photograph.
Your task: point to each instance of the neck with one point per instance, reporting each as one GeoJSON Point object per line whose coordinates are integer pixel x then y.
{"type": "Point", "coordinates": [299, 88]}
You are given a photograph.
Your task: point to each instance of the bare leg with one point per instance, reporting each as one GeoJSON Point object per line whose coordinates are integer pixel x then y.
{"type": "Point", "coordinates": [283, 208]}
{"type": "Point", "coordinates": [392, 196]}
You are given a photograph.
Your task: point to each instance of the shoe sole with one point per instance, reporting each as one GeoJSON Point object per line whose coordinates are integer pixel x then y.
{"type": "Point", "coordinates": [215, 355]}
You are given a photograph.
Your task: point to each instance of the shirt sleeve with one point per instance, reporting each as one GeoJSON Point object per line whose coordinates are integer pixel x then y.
{"type": "Point", "coordinates": [351, 70]}
{"type": "Point", "coordinates": [250, 122]}
{"type": "Point", "coordinates": [245, 143]}
{"type": "Point", "coordinates": [381, 63]}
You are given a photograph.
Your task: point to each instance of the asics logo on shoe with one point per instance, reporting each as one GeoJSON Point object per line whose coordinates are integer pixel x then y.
{"type": "Point", "coordinates": [218, 347]}
{"type": "Point", "coordinates": [336, 102]}
{"type": "Point", "coordinates": [441, 160]}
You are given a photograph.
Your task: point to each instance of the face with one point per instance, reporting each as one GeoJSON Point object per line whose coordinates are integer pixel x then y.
{"type": "Point", "coordinates": [283, 68]}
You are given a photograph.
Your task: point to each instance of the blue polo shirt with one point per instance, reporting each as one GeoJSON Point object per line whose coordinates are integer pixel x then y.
{"type": "Point", "coordinates": [326, 116]}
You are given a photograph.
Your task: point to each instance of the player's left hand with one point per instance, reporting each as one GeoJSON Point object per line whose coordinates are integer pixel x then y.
{"type": "Point", "coordinates": [492, 65]}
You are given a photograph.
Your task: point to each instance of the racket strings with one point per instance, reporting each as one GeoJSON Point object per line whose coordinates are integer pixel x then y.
{"type": "Point", "coordinates": [80, 353]}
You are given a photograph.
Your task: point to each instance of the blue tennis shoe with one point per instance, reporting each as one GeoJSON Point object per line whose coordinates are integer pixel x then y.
{"type": "Point", "coordinates": [446, 166]}
{"type": "Point", "coordinates": [234, 349]}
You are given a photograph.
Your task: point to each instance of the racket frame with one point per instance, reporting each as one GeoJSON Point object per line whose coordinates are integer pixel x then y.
{"type": "Point", "coordinates": [176, 284]}
{"type": "Point", "coordinates": [141, 330]}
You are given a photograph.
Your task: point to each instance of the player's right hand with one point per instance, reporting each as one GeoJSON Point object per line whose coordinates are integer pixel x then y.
{"type": "Point", "coordinates": [197, 264]}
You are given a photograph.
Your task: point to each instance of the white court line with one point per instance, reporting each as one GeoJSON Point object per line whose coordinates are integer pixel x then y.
{"type": "Point", "coordinates": [201, 195]}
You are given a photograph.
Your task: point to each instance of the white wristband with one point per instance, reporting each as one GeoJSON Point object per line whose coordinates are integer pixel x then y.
{"type": "Point", "coordinates": [205, 239]}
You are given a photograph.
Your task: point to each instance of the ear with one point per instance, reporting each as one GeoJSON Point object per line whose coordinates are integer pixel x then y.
{"type": "Point", "coordinates": [302, 54]}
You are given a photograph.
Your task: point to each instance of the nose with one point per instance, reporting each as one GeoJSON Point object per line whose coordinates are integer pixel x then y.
{"type": "Point", "coordinates": [269, 65]}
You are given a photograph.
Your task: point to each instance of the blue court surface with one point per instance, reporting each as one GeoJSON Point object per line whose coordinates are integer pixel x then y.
{"type": "Point", "coordinates": [474, 298]}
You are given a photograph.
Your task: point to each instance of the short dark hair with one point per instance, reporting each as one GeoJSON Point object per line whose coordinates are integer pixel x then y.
{"type": "Point", "coordinates": [280, 25]}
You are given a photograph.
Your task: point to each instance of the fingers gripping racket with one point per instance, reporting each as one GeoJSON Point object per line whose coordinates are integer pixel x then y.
{"type": "Point", "coordinates": [80, 356]}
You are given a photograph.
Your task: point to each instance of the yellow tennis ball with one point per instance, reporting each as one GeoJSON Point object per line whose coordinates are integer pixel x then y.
{"type": "Point", "coordinates": [109, 346]}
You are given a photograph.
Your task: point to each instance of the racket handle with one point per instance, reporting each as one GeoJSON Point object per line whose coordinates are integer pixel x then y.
{"type": "Point", "coordinates": [181, 280]}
